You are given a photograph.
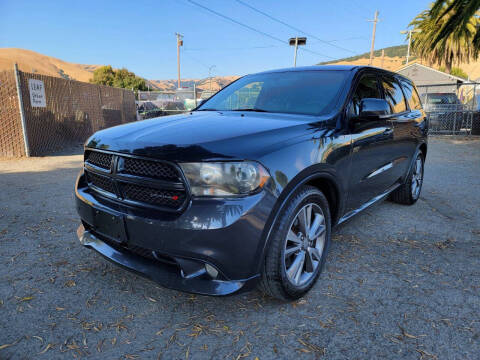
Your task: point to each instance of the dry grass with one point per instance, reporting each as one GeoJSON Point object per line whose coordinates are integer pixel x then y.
{"type": "Point", "coordinates": [31, 61]}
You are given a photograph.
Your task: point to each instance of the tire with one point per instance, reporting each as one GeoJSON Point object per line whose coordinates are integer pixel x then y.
{"type": "Point", "coordinates": [409, 192]}
{"type": "Point", "coordinates": [284, 249]}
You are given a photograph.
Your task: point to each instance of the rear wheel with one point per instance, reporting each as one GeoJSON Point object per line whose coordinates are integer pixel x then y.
{"type": "Point", "coordinates": [409, 192]}
{"type": "Point", "coordinates": [298, 246]}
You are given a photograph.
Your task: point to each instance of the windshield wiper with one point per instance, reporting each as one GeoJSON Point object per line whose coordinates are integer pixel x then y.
{"type": "Point", "coordinates": [207, 110]}
{"type": "Point", "coordinates": [251, 109]}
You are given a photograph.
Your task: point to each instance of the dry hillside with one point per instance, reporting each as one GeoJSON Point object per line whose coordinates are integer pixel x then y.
{"type": "Point", "coordinates": [394, 59]}
{"type": "Point", "coordinates": [215, 84]}
{"type": "Point", "coordinates": [395, 63]}
{"type": "Point", "coordinates": [31, 61]}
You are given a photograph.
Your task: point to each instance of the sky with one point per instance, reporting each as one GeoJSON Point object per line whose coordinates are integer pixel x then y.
{"type": "Point", "coordinates": [140, 35]}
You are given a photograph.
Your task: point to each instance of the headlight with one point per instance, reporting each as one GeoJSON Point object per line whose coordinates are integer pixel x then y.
{"type": "Point", "coordinates": [224, 178]}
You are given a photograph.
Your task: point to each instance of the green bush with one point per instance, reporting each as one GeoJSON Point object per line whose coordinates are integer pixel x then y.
{"type": "Point", "coordinates": [122, 78]}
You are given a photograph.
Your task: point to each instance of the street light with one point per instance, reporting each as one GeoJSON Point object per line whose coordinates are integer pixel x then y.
{"type": "Point", "coordinates": [296, 41]}
{"type": "Point", "coordinates": [409, 32]}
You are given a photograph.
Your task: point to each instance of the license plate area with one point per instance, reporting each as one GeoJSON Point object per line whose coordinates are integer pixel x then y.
{"type": "Point", "coordinates": [109, 225]}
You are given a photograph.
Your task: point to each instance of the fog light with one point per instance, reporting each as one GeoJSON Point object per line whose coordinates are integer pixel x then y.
{"type": "Point", "coordinates": [211, 271]}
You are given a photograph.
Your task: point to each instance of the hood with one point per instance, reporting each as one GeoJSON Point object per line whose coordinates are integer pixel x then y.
{"type": "Point", "coordinates": [206, 135]}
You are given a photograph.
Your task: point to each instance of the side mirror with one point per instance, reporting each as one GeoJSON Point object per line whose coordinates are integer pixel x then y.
{"type": "Point", "coordinates": [374, 109]}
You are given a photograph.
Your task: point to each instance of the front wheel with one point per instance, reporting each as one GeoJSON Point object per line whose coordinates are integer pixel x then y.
{"type": "Point", "coordinates": [409, 192]}
{"type": "Point", "coordinates": [298, 245]}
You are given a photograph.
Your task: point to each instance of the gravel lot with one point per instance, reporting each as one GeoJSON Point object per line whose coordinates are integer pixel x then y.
{"type": "Point", "coordinates": [400, 282]}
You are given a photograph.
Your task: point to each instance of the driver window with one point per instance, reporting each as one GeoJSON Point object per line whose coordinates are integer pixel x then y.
{"type": "Point", "coordinates": [367, 87]}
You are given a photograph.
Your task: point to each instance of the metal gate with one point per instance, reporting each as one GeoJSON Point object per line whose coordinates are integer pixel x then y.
{"type": "Point", "coordinates": [452, 109]}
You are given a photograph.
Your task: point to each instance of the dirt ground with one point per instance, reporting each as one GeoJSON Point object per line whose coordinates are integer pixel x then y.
{"type": "Point", "coordinates": [400, 282]}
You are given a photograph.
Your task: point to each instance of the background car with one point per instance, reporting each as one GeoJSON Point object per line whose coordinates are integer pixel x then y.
{"type": "Point", "coordinates": [445, 110]}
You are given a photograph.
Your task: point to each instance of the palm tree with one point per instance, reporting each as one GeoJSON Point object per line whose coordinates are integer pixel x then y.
{"type": "Point", "coordinates": [456, 47]}
{"type": "Point", "coordinates": [461, 12]}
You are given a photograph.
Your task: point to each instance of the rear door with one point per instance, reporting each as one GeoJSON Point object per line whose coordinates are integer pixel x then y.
{"type": "Point", "coordinates": [405, 120]}
{"type": "Point", "coordinates": [371, 142]}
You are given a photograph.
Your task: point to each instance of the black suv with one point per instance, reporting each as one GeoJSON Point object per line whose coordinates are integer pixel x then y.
{"type": "Point", "coordinates": [245, 189]}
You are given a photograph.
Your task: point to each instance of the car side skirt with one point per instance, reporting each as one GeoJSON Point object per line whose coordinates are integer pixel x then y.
{"type": "Point", "coordinates": [368, 204]}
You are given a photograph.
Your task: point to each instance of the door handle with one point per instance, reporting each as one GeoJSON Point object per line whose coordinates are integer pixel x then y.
{"type": "Point", "coordinates": [388, 132]}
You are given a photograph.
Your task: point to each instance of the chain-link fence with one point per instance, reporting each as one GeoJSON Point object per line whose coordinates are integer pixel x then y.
{"type": "Point", "coordinates": [452, 109]}
{"type": "Point", "coordinates": [152, 104]}
{"type": "Point", "coordinates": [11, 133]}
{"type": "Point", "coordinates": [57, 113]}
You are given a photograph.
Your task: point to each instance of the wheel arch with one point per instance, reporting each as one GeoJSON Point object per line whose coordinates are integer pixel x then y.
{"type": "Point", "coordinates": [423, 148]}
{"type": "Point", "coordinates": [322, 179]}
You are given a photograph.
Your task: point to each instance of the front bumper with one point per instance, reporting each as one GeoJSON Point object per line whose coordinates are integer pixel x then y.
{"type": "Point", "coordinates": [224, 233]}
{"type": "Point", "coordinates": [167, 276]}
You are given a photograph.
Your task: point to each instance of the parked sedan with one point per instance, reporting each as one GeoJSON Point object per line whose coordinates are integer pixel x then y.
{"type": "Point", "coordinates": [247, 189]}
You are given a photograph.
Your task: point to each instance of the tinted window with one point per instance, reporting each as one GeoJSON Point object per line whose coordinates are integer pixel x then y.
{"type": "Point", "coordinates": [367, 87]}
{"type": "Point", "coordinates": [441, 98]}
{"type": "Point", "coordinates": [411, 96]}
{"type": "Point", "coordinates": [295, 92]}
{"type": "Point", "coordinates": [393, 94]}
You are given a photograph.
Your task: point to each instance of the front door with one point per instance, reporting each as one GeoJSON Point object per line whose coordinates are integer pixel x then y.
{"type": "Point", "coordinates": [371, 147]}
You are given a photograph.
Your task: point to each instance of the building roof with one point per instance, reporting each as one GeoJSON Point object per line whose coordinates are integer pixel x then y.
{"type": "Point", "coordinates": [424, 67]}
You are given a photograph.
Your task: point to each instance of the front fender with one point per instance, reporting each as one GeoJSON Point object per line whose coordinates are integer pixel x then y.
{"type": "Point", "coordinates": [326, 158]}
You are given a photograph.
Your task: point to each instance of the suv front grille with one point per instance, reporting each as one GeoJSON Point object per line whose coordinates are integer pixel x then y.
{"type": "Point", "coordinates": [100, 159]}
{"type": "Point", "coordinates": [136, 181]}
{"type": "Point", "coordinates": [154, 196]}
{"type": "Point", "coordinates": [153, 169]}
{"type": "Point", "coordinates": [101, 182]}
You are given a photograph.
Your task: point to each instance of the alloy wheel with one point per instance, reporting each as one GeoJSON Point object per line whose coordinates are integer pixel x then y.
{"type": "Point", "coordinates": [417, 177]}
{"type": "Point", "coordinates": [305, 244]}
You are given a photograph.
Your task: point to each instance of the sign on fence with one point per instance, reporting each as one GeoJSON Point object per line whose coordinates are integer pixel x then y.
{"type": "Point", "coordinates": [37, 93]}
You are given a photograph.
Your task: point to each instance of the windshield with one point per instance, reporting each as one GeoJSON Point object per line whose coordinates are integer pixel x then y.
{"type": "Point", "coordinates": [293, 92]}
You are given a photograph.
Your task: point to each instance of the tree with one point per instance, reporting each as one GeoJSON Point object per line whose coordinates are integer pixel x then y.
{"type": "Point", "coordinates": [456, 71]}
{"type": "Point", "coordinates": [104, 75]}
{"type": "Point", "coordinates": [456, 47]}
{"type": "Point", "coordinates": [461, 11]}
{"type": "Point", "coordinates": [122, 78]}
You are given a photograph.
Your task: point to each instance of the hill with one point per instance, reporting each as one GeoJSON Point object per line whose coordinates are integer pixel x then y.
{"type": "Point", "coordinates": [390, 52]}
{"type": "Point", "coordinates": [215, 83]}
{"type": "Point", "coordinates": [394, 59]}
{"type": "Point", "coordinates": [31, 61]}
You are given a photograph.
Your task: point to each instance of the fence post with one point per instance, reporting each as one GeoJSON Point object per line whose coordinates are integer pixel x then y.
{"type": "Point", "coordinates": [195, 94]}
{"type": "Point", "coordinates": [474, 107]}
{"type": "Point", "coordinates": [22, 112]}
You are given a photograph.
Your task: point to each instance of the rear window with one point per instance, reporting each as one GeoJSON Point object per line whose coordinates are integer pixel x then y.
{"type": "Point", "coordinates": [295, 92]}
{"type": "Point", "coordinates": [393, 94]}
{"type": "Point", "coordinates": [411, 95]}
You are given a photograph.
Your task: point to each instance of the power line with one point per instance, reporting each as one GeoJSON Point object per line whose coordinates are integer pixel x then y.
{"type": "Point", "coordinates": [293, 27]}
{"type": "Point", "coordinates": [252, 28]}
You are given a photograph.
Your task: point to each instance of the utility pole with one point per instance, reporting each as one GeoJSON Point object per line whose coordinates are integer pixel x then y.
{"type": "Point", "coordinates": [179, 43]}
{"type": "Point", "coordinates": [295, 55]}
{"type": "Point", "coordinates": [409, 32]}
{"type": "Point", "coordinates": [383, 57]}
{"type": "Point", "coordinates": [210, 76]}
{"type": "Point", "coordinates": [375, 20]}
